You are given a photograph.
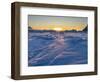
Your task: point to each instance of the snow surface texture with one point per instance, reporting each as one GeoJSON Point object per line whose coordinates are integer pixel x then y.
{"type": "Point", "coordinates": [57, 48]}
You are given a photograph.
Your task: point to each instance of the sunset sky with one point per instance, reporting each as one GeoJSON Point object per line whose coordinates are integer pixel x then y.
{"type": "Point", "coordinates": [39, 22]}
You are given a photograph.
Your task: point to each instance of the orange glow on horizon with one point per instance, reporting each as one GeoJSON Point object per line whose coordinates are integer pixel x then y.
{"type": "Point", "coordinates": [59, 28]}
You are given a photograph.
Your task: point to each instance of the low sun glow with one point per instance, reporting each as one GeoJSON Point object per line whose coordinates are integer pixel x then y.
{"type": "Point", "coordinates": [58, 29]}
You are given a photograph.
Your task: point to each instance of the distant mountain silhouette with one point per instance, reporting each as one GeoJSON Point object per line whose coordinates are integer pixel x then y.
{"type": "Point", "coordinates": [85, 29]}
{"type": "Point", "coordinates": [70, 30]}
{"type": "Point", "coordinates": [29, 28]}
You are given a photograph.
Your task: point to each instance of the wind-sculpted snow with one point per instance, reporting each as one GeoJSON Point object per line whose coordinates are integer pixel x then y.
{"type": "Point", "coordinates": [57, 48]}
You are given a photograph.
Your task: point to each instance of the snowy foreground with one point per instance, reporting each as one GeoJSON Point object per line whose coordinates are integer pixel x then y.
{"type": "Point", "coordinates": [57, 48]}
